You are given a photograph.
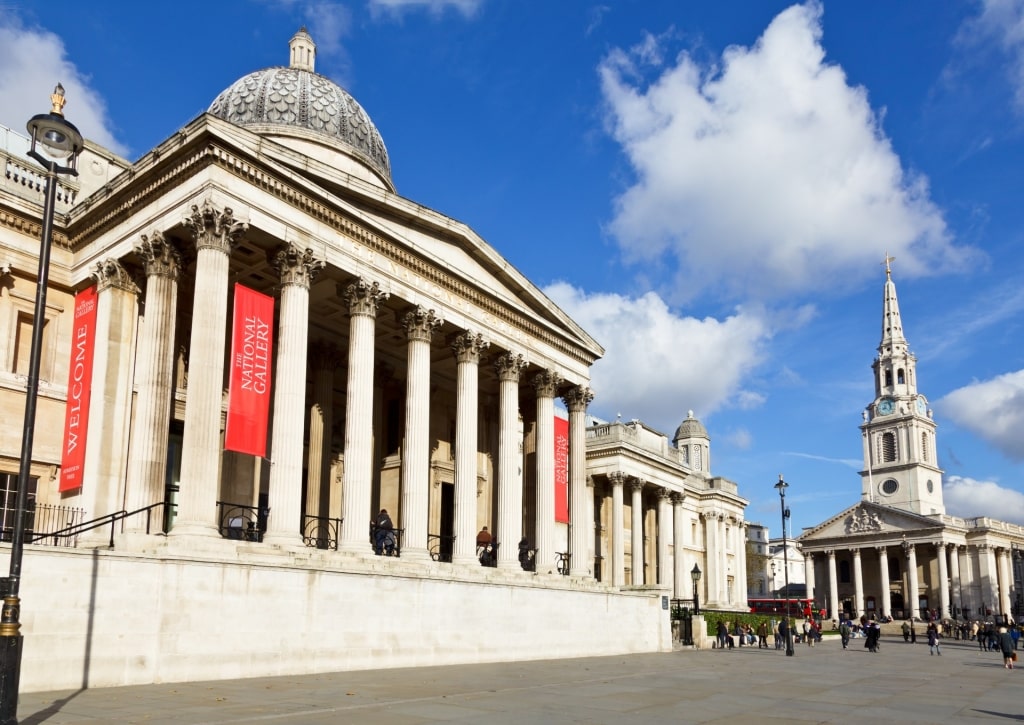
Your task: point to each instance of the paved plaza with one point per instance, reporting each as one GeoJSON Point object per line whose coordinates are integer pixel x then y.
{"type": "Point", "coordinates": [825, 684]}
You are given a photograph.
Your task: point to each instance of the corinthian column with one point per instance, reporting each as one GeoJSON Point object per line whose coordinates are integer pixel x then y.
{"type": "Point", "coordinates": [883, 570]}
{"type": "Point", "coordinates": [915, 592]}
{"type": "Point", "coordinates": [467, 348]}
{"type": "Point", "coordinates": [664, 507]}
{"type": "Point", "coordinates": [154, 379]}
{"type": "Point", "coordinates": [297, 268]}
{"type": "Point", "coordinates": [325, 359]}
{"type": "Point", "coordinates": [858, 583]}
{"type": "Point", "coordinates": [103, 469]}
{"type": "Point", "coordinates": [577, 399]}
{"type": "Point", "coordinates": [680, 574]}
{"type": "Point", "coordinates": [833, 584]}
{"type": "Point", "coordinates": [216, 233]}
{"type": "Point", "coordinates": [940, 551]}
{"type": "Point", "coordinates": [510, 460]}
{"type": "Point", "coordinates": [546, 385]}
{"type": "Point", "coordinates": [636, 509]}
{"type": "Point", "coordinates": [618, 530]}
{"type": "Point", "coordinates": [364, 299]}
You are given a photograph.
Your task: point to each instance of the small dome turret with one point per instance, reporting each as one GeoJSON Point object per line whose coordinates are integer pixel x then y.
{"type": "Point", "coordinates": [690, 428]}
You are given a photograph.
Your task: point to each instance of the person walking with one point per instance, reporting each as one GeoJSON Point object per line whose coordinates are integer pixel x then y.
{"type": "Point", "coordinates": [762, 635]}
{"type": "Point", "coordinates": [1006, 647]}
{"type": "Point", "coordinates": [905, 628]}
{"type": "Point", "coordinates": [933, 640]}
{"type": "Point", "coordinates": [844, 633]}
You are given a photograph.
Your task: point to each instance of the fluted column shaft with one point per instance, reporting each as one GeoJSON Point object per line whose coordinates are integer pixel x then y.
{"type": "Point", "coordinates": [581, 530]}
{"type": "Point", "coordinates": [618, 531]}
{"type": "Point", "coordinates": [297, 268]}
{"type": "Point", "coordinates": [883, 568]}
{"type": "Point", "coordinates": [858, 583]}
{"type": "Point", "coordinates": [954, 575]}
{"type": "Point", "coordinates": [833, 584]}
{"type": "Point", "coordinates": [467, 348]}
{"type": "Point", "coordinates": [1005, 582]}
{"type": "Point", "coordinates": [940, 552]}
{"type": "Point", "coordinates": [216, 233]}
{"type": "Point", "coordinates": [915, 591]}
{"type": "Point", "coordinates": [664, 524]}
{"type": "Point", "coordinates": [679, 562]}
{"type": "Point", "coordinates": [637, 510]}
{"type": "Point", "coordinates": [324, 359]}
{"type": "Point", "coordinates": [546, 385]}
{"type": "Point", "coordinates": [809, 575]}
{"type": "Point", "coordinates": [364, 299]}
{"type": "Point", "coordinates": [154, 379]}
{"type": "Point", "coordinates": [740, 595]}
{"type": "Point", "coordinates": [510, 489]}
{"type": "Point", "coordinates": [711, 546]}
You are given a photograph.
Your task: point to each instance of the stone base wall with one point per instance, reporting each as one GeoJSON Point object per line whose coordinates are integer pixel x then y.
{"type": "Point", "coordinates": [105, 618]}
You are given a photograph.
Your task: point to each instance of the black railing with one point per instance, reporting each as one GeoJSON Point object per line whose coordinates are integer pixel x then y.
{"type": "Point", "coordinates": [386, 542]}
{"type": "Point", "coordinates": [240, 521]}
{"type": "Point", "coordinates": [321, 532]}
{"type": "Point", "coordinates": [441, 547]}
{"type": "Point", "coordinates": [69, 534]}
{"type": "Point", "coordinates": [43, 519]}
{"type": "Point", "coordinates": [562, 562]}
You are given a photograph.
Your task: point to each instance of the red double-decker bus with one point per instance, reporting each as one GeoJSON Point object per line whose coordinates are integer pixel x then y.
{"type": "Point", "coordinates": [797, 607]}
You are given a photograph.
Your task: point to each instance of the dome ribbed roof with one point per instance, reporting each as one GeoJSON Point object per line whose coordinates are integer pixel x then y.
{"type": "Point", "coordinates": [690, 428]}
{"type": "Point", "coordinates": [280, 99]}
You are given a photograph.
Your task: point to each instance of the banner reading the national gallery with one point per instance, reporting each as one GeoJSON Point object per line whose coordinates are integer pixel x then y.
{"type": "Point", "coordinates": [561, 470]}
{"type": "Point", "coordinates": [249, 384]}
{"type": "Point", "coordinates": [76, 416]}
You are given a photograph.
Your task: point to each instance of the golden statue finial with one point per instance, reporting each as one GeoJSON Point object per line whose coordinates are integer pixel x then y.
{"type": "Point", "coordinates": [57, 99]}
{"type": "Point", "coordinates": [888, 259]}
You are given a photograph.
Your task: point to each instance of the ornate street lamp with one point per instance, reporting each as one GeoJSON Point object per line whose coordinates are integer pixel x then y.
{"type": "Point", "coordinates": [695, 575]}
{"type": "Point", "coordinates": [782, 486]}
{"type": "Point", "coordinates": [61, 143]}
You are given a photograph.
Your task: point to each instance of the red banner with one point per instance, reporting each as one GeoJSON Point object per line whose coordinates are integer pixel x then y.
{"type": "Point", "coordinates": [561, 470]}
{"type": "Point", "coordinates": [249, 387]}
{"type": "Point", "coordinates": [76, 416]}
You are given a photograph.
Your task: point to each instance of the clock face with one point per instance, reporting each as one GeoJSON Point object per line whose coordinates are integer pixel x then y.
{"type": "Point", "coordinates": [922, 407]}
{"type": "Point", "coordinates": [886, 406]}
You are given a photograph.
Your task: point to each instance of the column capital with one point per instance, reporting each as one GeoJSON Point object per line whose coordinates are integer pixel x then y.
{"type": "Point", "coordinates": [855, 551]}
{"type": "Point", "coordinates": [109, 273]}
{"type": "Point", "coordinates": [420, 323]}
{"type": "Point", "coordinates": [297, 266]}
{"type": "Point", "coordinates": [617, 478]}
{"type": "Point", "coordinates": [637, 484]}
{"type": "Point", "coordinates": [678, 498]}
{"type": "Point", "coordinates": [664, 494]}
{"type": "Point", "coordinates": [364, 297]}
{"type": "Point", "coordinates": [162, 257]}
{"type": "Point", "coordinates": [546, 383]}
{"type": "Point", "coordinates": [881, 549]}
{"type": "Point", "coordinates": [577, 398]}
{"type": "Point", "coordinates": [809, 556]}
{"type": "Point", "coordinates": [468, 346]}
{"type": "Point", "coordinates": [213, 228]}
{"type": "Point", "coordinates": [509, 365]}
{"type": "Point", "coordinates": [831, 553]}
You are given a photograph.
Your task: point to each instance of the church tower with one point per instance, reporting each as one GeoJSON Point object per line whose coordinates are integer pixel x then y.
{"type": "Point", "coordinates": [900, 461]}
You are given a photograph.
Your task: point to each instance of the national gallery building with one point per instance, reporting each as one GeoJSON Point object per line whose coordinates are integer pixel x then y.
{"type": "Point", "coordinates": [252, 346]}
{"type": "Point", "coordinates": [896, 552]}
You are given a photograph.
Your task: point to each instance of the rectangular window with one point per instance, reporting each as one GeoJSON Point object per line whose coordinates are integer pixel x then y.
{"type": "Point", "coordinates": [8, 504]}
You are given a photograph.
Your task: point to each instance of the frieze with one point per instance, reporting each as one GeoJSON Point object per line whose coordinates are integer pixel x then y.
{"type": "Point", "coordinates": [863, 521]}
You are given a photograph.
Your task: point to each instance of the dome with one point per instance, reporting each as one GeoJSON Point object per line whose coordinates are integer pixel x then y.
{"type": "Point", "coordinates": [285, 100]}
{"type": "Point", "coordinates": [690, 428]}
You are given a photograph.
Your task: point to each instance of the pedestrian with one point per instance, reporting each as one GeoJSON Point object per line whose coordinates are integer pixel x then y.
{"type": "Point", "coordinates": [872, 635]}
{"type": "Point", "coordinates": [844, 633]}
{"type": "Point", "coordinates": [762, 635]}
{"type": "Point", "coordinates": [933, 640]}
{"type": "Point", "coordinates": [723, 634]}
{"type": "Point", "coordinates": [784, 633]}
{"type": "Point", "coordinates": [913, 633]}
{"type": "Point", "coordinates": [1015, 635]}
{"type": "Point", "coordinates": [905, 627]}
{"type": "Point", "coordinates": [1006, 646]}
{"type": "Point", "coordinates": [776, 637]}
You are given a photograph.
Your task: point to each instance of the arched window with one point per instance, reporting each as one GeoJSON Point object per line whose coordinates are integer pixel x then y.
{"type": "Point", "coordinates": [844, 572]}
{"type": "Point", "coordinates": [900, 377]}
{"type": "Point", "coordinates": [888, 447]}
{"type": "Point", "coordinates": [888, 378]}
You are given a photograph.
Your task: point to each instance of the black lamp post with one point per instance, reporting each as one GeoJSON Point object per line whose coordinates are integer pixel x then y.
{"type": "Point", "coordinates": [775, 589]}
{"type": "Point", "coordinates": [695, 575]}
{"type": "Point", "coordinates": [61, 142]}
{"type": "Point", "coordinates": [782, 486]}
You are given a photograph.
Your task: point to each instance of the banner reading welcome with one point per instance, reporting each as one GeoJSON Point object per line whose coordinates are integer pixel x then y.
{"type": "Point", "coordinates": [561, 470]}
{"type": "Point", "coordinates": [249, 386]}
{"type": "Point", "coordinates": [76, 416]}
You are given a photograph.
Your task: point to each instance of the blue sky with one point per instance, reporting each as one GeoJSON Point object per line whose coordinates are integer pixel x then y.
{"type": "Point", "coordinates": [709, 188]}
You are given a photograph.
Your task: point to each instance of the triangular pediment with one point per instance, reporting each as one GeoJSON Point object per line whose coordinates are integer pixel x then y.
{"type": "Point", "coordinates": [865, 521]}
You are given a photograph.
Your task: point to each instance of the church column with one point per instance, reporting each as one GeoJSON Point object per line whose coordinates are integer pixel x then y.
{"type": "Point", "coordinates": [297, 268]}
{"type": "Point", "coordinates": [325, 359]}
{"type": "Point", "coordinates": [618, 530]}
{"type": "Point", "coordinates": [420, 324]}
{"type": "Point", "coordinates": [915, 592]}
{"type": "Point", "coordinates": [742, 594]}
{"type": "Point", "coordinates": [833, 585]}
{"type": "Point", "coordinates": [883, 574]}
{"type": "Point", "coordinates": [576, 400]}
{"type": "Point", "coordinates": [154, 379]}
{"type": "Point", "coordinates": [215, 233]}
{"type": "Point", "coordinates": [712, 543]}
{"type": "Point", "coordinates": [858, 583]}
{"type": "Point", "coordinates": [809, 575]}
{"type": "Point", "coordinates": [467, 348]}
{"type": "Point", "coordinates": [954, 579]}
{"type": "Point", "coordinates": [681, 574]}
{"type": "Point", "coordinates": [664, 515]}
{"type": "Point", "coordinates": [510, 460]}
{"type": "Point", "coordinates": [364, 299]}
{"type": "Point", "coordinates": [111, 401]}
{"type": "Point", "coordinates": [637, 532]}
{"type": "Point", "coordinates": [546, 385]}
{"type": "Point", "coordinates": [940, 551]}
{"type": "Point", "coordinates": [1005, 581]}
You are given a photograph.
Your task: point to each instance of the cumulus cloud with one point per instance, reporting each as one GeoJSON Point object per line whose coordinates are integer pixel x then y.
{"type": "Point", "coordinates": [991, 409]}
{"type": "Point", "coordinates": [766, 175]}
{"type": "Point", "coordinates": [1001, 21]}
{"type": "Point", "coordinates": [660, 364]}
{"type": "Point", "coordinates": [468, 8]}
{"type": "Point", "coordinates": [32, 62]}
{"type": "Point", "coordinates": [968, 498]}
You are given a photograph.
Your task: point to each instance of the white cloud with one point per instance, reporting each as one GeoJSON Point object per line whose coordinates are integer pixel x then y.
{"type": "Point", "coordinates": [1003, 22]}
{"type": "Point", "coordinates": [32, 62]}
{"type": "Point", "coordinates": [468, 8]}
{"type": "Point", "coordinates": [968, 498]}
{"type": "Point", "coordinates": [658, 364]}
{"type": "Point", "coordinates": [768, 175]}
{"type": "Point", "coordinates": [991, 409]}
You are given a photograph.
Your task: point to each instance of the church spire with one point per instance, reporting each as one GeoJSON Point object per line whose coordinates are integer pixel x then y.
{"type": "Point", "coordinates": [892, 325]}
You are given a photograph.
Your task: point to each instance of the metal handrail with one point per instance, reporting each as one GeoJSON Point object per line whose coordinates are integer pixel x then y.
{"type": "Point", "coordinates": [75, 530]}
{"type": "Point", "coordinates": [436, 544]}
{"type": "Point", "coordinates": [320, 532]}
{"type": "Point", "coordinates": [241, 521]}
